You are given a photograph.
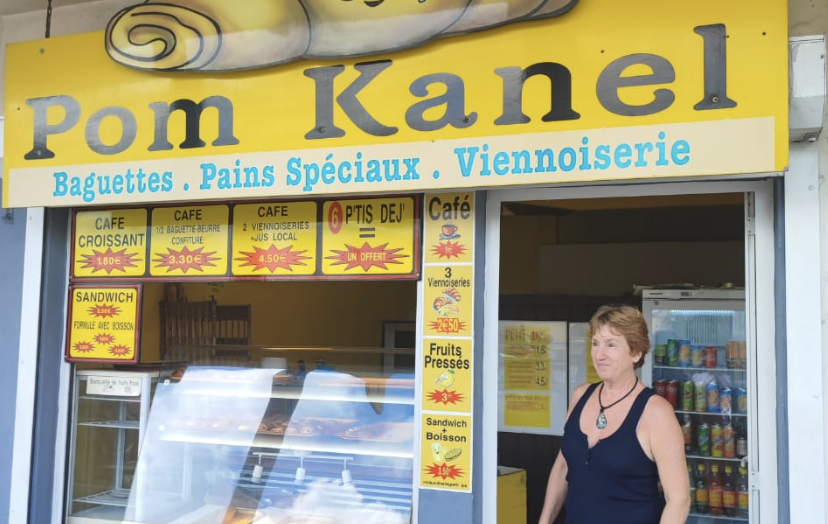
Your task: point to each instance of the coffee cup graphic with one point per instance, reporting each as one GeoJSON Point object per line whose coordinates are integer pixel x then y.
{"type": "Point", "coordinates": [448, 230]}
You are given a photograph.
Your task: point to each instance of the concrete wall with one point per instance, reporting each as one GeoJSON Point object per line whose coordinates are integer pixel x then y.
{"type": "Point", "coordinates": [12, 236]}
{"type": "Point", "coordinates": [810, 17]}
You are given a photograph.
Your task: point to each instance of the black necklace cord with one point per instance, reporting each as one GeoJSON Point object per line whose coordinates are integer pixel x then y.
{"type": "Point", "coordinates": [603, 407]}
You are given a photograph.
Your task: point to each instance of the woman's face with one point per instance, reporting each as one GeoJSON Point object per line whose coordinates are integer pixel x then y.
{"type": "Point", "coordinates": [611, 354]}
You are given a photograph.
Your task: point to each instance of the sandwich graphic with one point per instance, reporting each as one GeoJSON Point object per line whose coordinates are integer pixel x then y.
{"type": "Point", "coordinates": [221, 35]}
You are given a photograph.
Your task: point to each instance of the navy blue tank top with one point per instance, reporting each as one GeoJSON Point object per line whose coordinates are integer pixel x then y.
{"type": "Point", "coordinates": [615, 482]}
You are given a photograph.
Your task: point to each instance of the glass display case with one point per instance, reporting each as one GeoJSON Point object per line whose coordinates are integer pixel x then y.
{"type": "Point", "coordinates": [322, 436]}
{"type": "Point", "coordinates": [699, 363]}
{"type": "Point", "coordinates": [110, 414]}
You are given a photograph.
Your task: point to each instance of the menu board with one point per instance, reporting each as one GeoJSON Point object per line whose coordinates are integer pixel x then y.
{"type": "Point", "coordinates": [103, 324]}
{"type": "Point", "coordinates": [274, 238]}
{"type": "Point", "coordinates": [371, 238]}
{"type": "Point", "coordinates": [447, 342]}
{"type": "Point", "coordinates": [110, 243]}
{"type": "Point", "coordinates": [446, 443]}
{"type": "Point", "coordinates": [189, 240]}
{"type": "Point", "coordinates": [533, 378]}
{"type": "Point", "coordinates": [364, 237]}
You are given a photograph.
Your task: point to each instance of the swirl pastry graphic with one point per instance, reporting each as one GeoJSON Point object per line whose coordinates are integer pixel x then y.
{"type": "Point", "coordinates": [220, 35]}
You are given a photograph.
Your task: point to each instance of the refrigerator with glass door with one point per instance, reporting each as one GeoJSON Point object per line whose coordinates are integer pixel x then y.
{"type": "Point", "coordinates": [699, 362]}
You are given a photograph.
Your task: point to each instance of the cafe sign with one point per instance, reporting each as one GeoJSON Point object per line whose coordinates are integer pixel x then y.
{"type": "Point", "coordinates": [334, 239]}
{"type": "Point", "coordinates": [608, 91]}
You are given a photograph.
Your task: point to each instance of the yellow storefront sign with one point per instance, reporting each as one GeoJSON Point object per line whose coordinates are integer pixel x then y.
{"type": "Point", "coordinates": [274, 239]}
{"type": "Point", "coordinates": [190, 240]}
{"type": "Point", "coordinates": [448, 302]}
{"type": "Point", "coordinates": [610, 91]}
{"type": "Point", "coordinates": [445, 453]}
{"type": "Point", "coordinates": [369, 237]}
{"type": "Point", "coordinates": [449, 227]}
{"type": "Point", "coordinates": [103, 323]}
{"type": "Point", "coordinates": [447, 375]}
{"type": "Point", "coordinates": [110, 243]}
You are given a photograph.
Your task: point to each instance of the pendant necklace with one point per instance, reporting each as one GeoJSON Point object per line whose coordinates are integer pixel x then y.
{"type": "Point", "coordinates": [601, 421]}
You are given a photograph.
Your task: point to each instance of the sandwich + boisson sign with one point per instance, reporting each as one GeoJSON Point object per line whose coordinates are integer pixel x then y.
{"type": "Point", "coordinates": [607, 90]}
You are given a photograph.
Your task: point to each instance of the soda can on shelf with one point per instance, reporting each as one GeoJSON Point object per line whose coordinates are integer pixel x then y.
{"type": "Point", "coordinates": [716, 441]}
{"type": "Point", "coordinates": [741, 446]}
{"type": "Point", "coordinates": [712, 390]}
{"type": "Point", "coordinates": [700, 394]}
{"type": "Point", "coordinates": [696, 356]}
{"type": "Point", "coordinates": [731, 354]}
{"type": "Point", "coordinates": [688, 391]}
{"type": "Point", "coordinates": [672, 352]}
{"type": "Point", "coordinates": [726, 400]}
{"type": "Point", "coordinates": [742, 354]}
{"type": "Point", "coordinates": [684, 353]}
{"type": "Point", "coordinates": [729, 435]}
{"type": "Point", "coordinates": [660, 354]}
{"type": "Point", "coordinates": [711, 356]}
{"type": "Point", "coordinates": [660, 387]}
{"type": "Point", "coordinates": [672, 393]}
{"type": "Point", "coordinates": [703, 439]}
{"type": "Point", "coordinates": [741, 401]}
{"type": "Point", "coordinates": [687, 431]}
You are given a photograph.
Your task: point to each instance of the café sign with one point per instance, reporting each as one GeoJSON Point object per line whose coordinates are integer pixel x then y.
{"type": "Point", "coordinates": [611, 90]}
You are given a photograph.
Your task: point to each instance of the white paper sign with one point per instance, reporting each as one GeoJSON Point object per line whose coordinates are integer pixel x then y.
{"type": "Point", "coordinates": [113, 386]}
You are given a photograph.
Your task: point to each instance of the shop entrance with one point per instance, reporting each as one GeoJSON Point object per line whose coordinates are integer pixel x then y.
{"type": "Point", "coordinates": [561, 259]}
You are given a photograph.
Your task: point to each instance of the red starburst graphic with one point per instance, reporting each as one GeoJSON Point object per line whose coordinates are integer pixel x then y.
{"type": "Point", "coordinates": [273, 258]}
{"type": "Point", "coordinates": [84, 347]}
{"type": "Point", "coordinates": [448, 249]}
{"type": "Point", "coordinates": [444, 471]}
{"type": "Point", "coordinates": [119, 350]}
{"type": "Point", "coordinates": [448, 325]}
{"type": "Point", "coordinates": [109, 260]}
{"type": "Point", "coordinates": [366, 257]}
{"type": "Point", "coordinates": [103, 311]}
{"type": "Point", "coordinates": [446, 397]}
{"type": "Point", "coordinates": [104, 338]}
{"type": "Point", "coordinates": [185, 259]}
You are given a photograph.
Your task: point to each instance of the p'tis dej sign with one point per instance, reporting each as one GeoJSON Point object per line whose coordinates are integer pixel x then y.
{"type": "Point", "coordinates": [607, 90]}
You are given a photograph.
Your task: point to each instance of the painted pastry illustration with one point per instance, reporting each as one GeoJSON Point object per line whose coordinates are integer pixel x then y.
{"type": "Point", "coordinates": [219, 35]}
{"type": "Point", "coordinates": [446, 305]}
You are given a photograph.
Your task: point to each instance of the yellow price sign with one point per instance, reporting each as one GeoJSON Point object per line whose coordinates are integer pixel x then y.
{"type": "Point", "coordinates": [274, 239]}
{"type": "Point", "coordinates": [103, 323]}
{"type": "Point", "coordinates": [448, 304]}
{"type": "Point", "coordinates": [527, 411]}
{"type": "Point", "coordinates": [110, 243]}
{"type": "Point", "coordinates": [370, 237]}
{"type": "Point", "coordinates": [447, 375]}
{"type": "Point", "coordinates": [446, 446]}
{"type": "Point", "coordinates": [189, 241]}
{"type": "Point", "coordinates": [449, 227]}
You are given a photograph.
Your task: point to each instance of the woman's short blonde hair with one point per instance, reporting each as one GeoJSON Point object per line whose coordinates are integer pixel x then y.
{"type": "Point", "coordinates": [628, 322]}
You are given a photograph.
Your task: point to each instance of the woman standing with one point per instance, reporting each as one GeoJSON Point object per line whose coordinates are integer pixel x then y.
{"type": "Point", "coordinates": [620, 438]}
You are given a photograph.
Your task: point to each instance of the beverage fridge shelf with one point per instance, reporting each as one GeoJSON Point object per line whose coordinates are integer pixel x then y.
{"type": "Point", "coordinates": [119, 424]}
{"type": "Point", "coordinates": [113, 497]}
{"type": "Point", "coordinates": [717, 517]}
{"type": "Point", "coordinates": [704, 457]}
{"type": "Point", "coordinates": [679, 368]}
{"type": "Point", "coordinates": [710, 413]}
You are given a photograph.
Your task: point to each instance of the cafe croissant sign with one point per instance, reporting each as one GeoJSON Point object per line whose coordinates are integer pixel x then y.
{"type": "Point", "coordinates": [608, 90]}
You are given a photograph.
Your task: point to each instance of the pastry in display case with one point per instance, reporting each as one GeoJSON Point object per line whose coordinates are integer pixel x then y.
{"type": "Point", "coordinates": [301, 436]}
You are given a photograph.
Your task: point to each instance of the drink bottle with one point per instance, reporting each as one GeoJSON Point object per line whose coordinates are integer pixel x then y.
{"type": "Point", "coordinates": [715, 491]}
{"type": "Point", "coordinates": [728, 492]}
{"type": "Point", "coordinates": [702, 495]}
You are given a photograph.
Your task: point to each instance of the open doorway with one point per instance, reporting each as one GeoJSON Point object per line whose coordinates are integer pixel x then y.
{"type": "Point", "coordinates": [562, 259]}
